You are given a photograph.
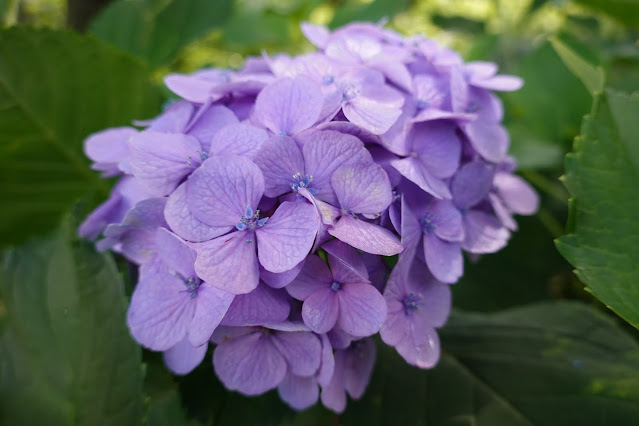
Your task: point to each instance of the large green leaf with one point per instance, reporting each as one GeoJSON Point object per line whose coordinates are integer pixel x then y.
{"type": "Point", "coordinates": [55, 89]}
{"type": "Point", "coordinates": [602, 175]}
{"type": "Point", "coordinates": [551, 364]}
{"type": "Point", "coordinates": [66, 356]}
{"type": "Point", "coordinates": [155, 30]}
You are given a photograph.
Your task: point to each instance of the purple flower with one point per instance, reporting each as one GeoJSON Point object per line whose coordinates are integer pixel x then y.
{"type": "Point", "coordinates": [253, 360]}
{"type": "Point", "coordinates": [417, 304]}
{"type": "Point", "coordinates": [510, 195]}
{"type": "Point", "coordinates": [482, 232]}
{"type": "Point", "coordinates": [183, 357]}
{"type": "Point", "coordinates": [341, 295]}
{"type": "Point", "coordinates": [224, 194]}
{"type": "Point", "coordinates": [353, 369]}
{"type": "Point", "coordinates": [173, 303]}
{"type": "Point", "coordinates": [363, 189]}
{"type": "Point", "coordinates": [108, 149]}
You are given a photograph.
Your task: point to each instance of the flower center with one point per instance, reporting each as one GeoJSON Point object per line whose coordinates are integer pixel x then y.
{"type": "Point", "coordinates": [327, 79]}
{"type": "Point", "coordinates": [304, 181]}
{"type": "Point", "coordinates": [422, 104]}
{"type": "Point", "coordinates": [429, 223]}
{"type": "Point", "coordinates": [349, 92]}
{"type": "Point", "coordinates": [411, 303]}
{"type": "Point", "coordinates": [250, 220]}
{"type": "Point", "coordinates": [335, 286]}
{"type": "Point", "coordinates": [192, 284]}
{"type": "Point", "coordinates": [473, 107]}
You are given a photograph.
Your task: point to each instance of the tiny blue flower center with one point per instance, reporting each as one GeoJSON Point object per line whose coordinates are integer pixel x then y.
{"type": "Point", "coordinates": [192, 284]}
{"type": "Point", "coordinates": [327, 79]}
{"type": "Point", "coordinates": [411, 303]}
{"type": "Point", "coordinates": [335, 286]}
{"type": "Point", "coordinates": [303, 181]}
{"type": "Point", "coordinates": [422, 104]}
{"type": "Point", "coordinates": [429, 223]}
{"type": "Point", "coordinates": [473, 107]}
{"type": "Point", "coordinates": [250, 221]}
{"type": "Point", "coordinates": [349, 92]}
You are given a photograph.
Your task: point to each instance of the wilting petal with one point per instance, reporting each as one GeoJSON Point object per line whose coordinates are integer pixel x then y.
{"type": "Point", "coordinates": [362, 188]}
{"type": "Point", "coordinates": [287, 237]}
{"type": "Point", "coordinates": [289, 105]}
{"type": "Point", "coordinates": [301, 349]}
{"type": "Point", "coordinates": [184, 357]}
{"type": "Point", "coordinates": [222, 188]}
{"type": "Point", "coordinates": [314, 276]}
{"type": "Point", "coordinates": [320, 310]}
{"type": "Point", "coordinates": [444, 259]}
{"type": "Point", "coordinates": [279, 159]}
{"type": "Point", "coordinates": [212, 304]}
{"type": "Point", "coordinates": [413, 170]}
{"type": "Point", "coordinates": [490, 140]}
{"type": "Point", "coordinates": [366, 236]}
{"type": "Point", "coordinates": [181, 220]}
{"type": "Point", "coordinates": [298, 392]}
{"type": "Point", "coordinates": [208, 122]}
{"type": "Point", "coordinates": [484, 233]}
{"type": "Point", "coordinates": [229, 263]}
{"type": "Point", "coordinates": [160, 312]}
{"type": "Point", "coordinates": [161, 160]}
{"type": "Point", "coordinates": [249, 364]}
{"type": "Point", "coordinates": [471, 184]}
{"type": "Point", "coordinates": [263, 305]}
{"type": "Point", "coordinates": [362, 309]}
{"type": "Point", "coordinates": [238, 139]}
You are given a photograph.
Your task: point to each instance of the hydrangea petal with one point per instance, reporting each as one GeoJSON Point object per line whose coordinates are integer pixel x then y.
{"type": "Point", "coordinates": [238, 139]}
{"type": "Point", "coordinates": [183, 357]}
{"type": "Point", "coordinates": [490, 140]}
{"type": "Point", "coordinates": [212, 304]}
{"type": "Point", "coordinates": [346, 265]}
{"type": "Point", "coordinates": [333, 395]}
{"type": "Point", "coordinates": [263, 305]}
{"type": "Point", "coordinates": [208, 122]}
{"type": "Point", "coordinates": [298, 392]}
{"type": "Point", "coordinates": [471, 184]}
{"type": "Point", "coordinates": [359, 362]}
{"type": "Point", "coordinates": [366, 236]}
{"type": "Point", "coordinates": [229, 263]}
{"type": "Point", "coordinates": [516, 193]}
{"type": "Point", "coordinates": [160, 312]}
{"type": "Point", "coordinates": [182, 221]}
{"type": "Point", "coordinates": [504, 83]}
{"type": "Point", "coordinates": [327, 365]}
{"type": "Point", "coordinates": [449, 226]}
{"type": "Point", "coordinates": [444, 259]}
{"type": "Point", "coordinates": [362, 188]}
{"type": "Point", "coordinates": [287, 237]}
{"type": "Point", "coordinates": [282, 279]}
{"type": "Point", "coordinates": [250, 364]}
{"type": "Point", "coordinates": [362, 309]}
{"type": "Point", "coordinates": [173, 119]}
{"type": "Point", "coordinates": [289, 105]}
{"type": "Point", "coordinates": [374, 116]}
{"type": "Point", "coordinates": [438, 147]}
{"type": "Point", "coordinates": [161, 160]}
{"type": "Point", "coordinates": [301, 349]}
{"type": "Point", "coordinates": [175, 253]}
{"type": "Point", "coordinates": [279, 159]}
{"type": "Point", "coordinates": [413, 170]}
{"type": "Point", "coordinates": [320, 310]}
{"type": "Point", "coordinates": [314, 276]}
{"type": "Point", "coordinates": [484, 233]}
{"type": "Point", "coordinates": [420, 347]}
{"type": "Point", "coordinates": [222, 188]}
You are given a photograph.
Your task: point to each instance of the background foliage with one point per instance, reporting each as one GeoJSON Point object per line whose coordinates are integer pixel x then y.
{"type": "Point", "coordinates": [531, 343]}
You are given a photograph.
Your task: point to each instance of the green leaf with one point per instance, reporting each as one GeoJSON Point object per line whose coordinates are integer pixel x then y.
{"type": "Point", "coordinates": [156, 30]}
{"type": "Point", "coordinates": [165, 407]}
{"type": "Point", "coordinates": [550, 364]}
{"type": "Point", "coordinates": [625, 11]}
{"type": "Point", "coordinates": [602, 174]}
{"type": "Point", "coordinates": [66, 356]}
{"type": "Point", "coordinates": [591, 76]}
{"type": "Point", "coordinates": [55, 89]}
{"type": "Point", "coordinates": [367, 11]}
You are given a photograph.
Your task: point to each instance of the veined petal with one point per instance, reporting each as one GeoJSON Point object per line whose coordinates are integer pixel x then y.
{"type": "Point", "coordinates": [208, 122]}
{"type": "Point", "coordinates": [238, 139]}
{"type": "Point", "coordinates": [362, 188]}
{"type": "Point", "coordinates": [279, 159]}
{"type": "Point", "coordinates": [250, 364]}
{"type": "Point", "coordinates": [362, 309]}
{"type": "Point", "coordinates": [346, 265]}
{"type": "Point", "coordinates": [516, 193]}
{"type": "Point", "coordinates": [376, 117]}
{"type": "Point", "coordinates": [222, 188]}
{"type": "Point", "coordinates": [229, 262]}
{"type": "Point", "coordinates": [212, 304]}
{"type": "Point", "coordinates": [301, 349]}
{"type": "Point", "coordinates": [471, 184]}
{"type": "Point", "coordinates": [413, 170]}
{"type": "Point", "coordinates": [175, 253]}
{"type": "Point", "coordinates": [314, 276]}
{"type": "Point", "coordinates": [282, 279]}
{"type": "Point", "coordinates": [263, 305]}
{"type": "Point", "coordinates": [287, 237]}
{"type": "Point", "coordinates": [320, 310]}
{"type": "Point", "coordinates": [444, 259]}
{"type": "Point", "coordinates": [490, 140]}
{"type": "Point", "coordinates": [289, 105]}
{"type": "Point", "coordinates": [438, 147]}
{"type": "Point", "coordinates": [366, 236]}
{"type": "Point", "coordinates": [484, 233]}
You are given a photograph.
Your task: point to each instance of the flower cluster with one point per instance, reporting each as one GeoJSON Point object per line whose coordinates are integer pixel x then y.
{"type": "Point", "coordinates": [259, 206]}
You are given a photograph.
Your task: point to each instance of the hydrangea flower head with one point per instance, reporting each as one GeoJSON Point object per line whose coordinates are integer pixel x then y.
{"type": "Point", "coordinates": [260, 206]}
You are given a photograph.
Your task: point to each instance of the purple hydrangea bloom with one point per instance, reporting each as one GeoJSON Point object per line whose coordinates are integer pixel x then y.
{"type": "Point", "coordinates": [259, 207]}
